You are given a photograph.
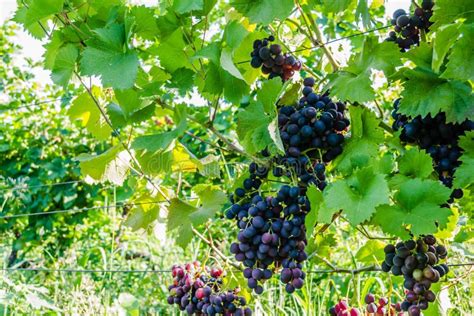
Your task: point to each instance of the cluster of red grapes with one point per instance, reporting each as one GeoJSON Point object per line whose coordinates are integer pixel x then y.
{"type": "Point", "coordinates": [197, 290]}
{"type": "Point", "coordinates": [438, 138]}
{"type": "Point", "coordinates": [270, 58]}
{"type": "Point", "coordinates": [382, 308]}
{"type": "Point", "coordinates": [407, 28]}
{"type": "Point", "coordinates": [272, 234]}
{"type": "Point", "coordinates": [312, 133]}
{"type": "Point", "coordinates": [418, 262]}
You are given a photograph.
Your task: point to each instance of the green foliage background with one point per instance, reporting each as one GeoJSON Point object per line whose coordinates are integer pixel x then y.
{"type": "Point", "coordinates": [171, 119]}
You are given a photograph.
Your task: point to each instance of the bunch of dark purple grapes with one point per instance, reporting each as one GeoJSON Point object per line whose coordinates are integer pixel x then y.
{"type": "Point", "coordinates": [272, 234]}
{"type": "Point", "coordinates": [408, 27]}
{"type": "Point", "coordinates": [312, 133]}
{"type": "Point", "coordinates": [272, 61]}
{"type": "Point", "coordinates": [418, 262]}
{"type": "Point", "coordinates": [438, 138]}
{"type": "Point", "coordinates": [197, 290]}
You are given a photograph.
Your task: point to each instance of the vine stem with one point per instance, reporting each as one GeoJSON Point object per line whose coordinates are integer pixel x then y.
{"type": "Point", "coordinates": [132, 156]}
{"type": "Point", "coordinates": [107, 120]}
{"type": "Point", "coordinates": [215, 249]}
{"type": "Point", "coordinates": [318, 41]}
{"type": "Point", "coordinates": [212, 129]}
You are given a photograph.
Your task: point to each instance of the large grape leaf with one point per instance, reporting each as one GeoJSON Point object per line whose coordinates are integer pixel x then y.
{"type": "Point", "coordinates": [64, 64]}
{"type": "Point", "coordinates": [178, 219]}
{"type": "Point", "coordinates": [257, 125]}
{"type": "Point", "coordinates": [371, 251]}
{"type": "Point", "coordinates": [83, 108]}
{"type": "Point", "coordinates": [448, 11]}
{"type": "Point", "coordinates": [425, 92]}
{"type": "Point", "coordinates": [416, 208]}
{"type": "Point", "coordinates": [38, 11]}
{"type": "Point", "coordinates": [143, 213]}
{"type": "Point", "coordinates": [112, 165]}
{"type": "Point", "coordinates": [415, 163]}
{"type": "Point", "coordinates": [353, 82]}
{"type": "Point", "coordinates": [252, 128]}
{"type": "Point", "coordinates": [263, 11]}
{"type": "Point", "coordinates": [464, 175]}
{"type": "Point", "coordinates": [234, 34]}
{"type": "Point", "coordinates": [269, 93]}
{"type": "Point", "coordinates": [366, 137]}
{"type": "Point", "coordinates": [212, 200]}
{"type": "Point", "coordinates": [357, 196]}
{"type": "Point", "coordinates": [443, 42]}
{"type": "Point", "coordinates": [106, 56]}
{"type": "Point", "coordinates": [185, 6]}
{"type": "Point", "coordinates": [228, 64]}
{"type": "Point", "coordinates": [144, 22]}
{"type": "Point", "coordinates": [315, 198]}
{"type": "Point", "coordinates": [461, 60]}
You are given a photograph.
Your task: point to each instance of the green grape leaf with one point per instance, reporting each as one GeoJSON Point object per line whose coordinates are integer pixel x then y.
{"type": "Point", "coordinates": [464, 175]}
{"type": "Point", "coordinates": [171, 52]}
{"type": "Point", "coordinates": [252, 127]}
{"type": "Point", "coordinates": [144, 22]}
{"type": "Point", "coordinates": [38, 11]}
{"type": "Point", "coordinates": [209, 166]}
{"type": "Point", "coordinates": [447, 11]}
{"type": "Point", "coordinates": [112, 166]}
{"type": "Point", "coordinates": [461, 60]}
{"type": "Point", "coordinates": [142, 215]}
{"type": "Point", "coordinates": [291, 95]}
{"type": "Point", "coordinates": [213, 82]}
{"type": "Point", "coordinates": [366, 137]}
{"type": "Point", "coordinates": [416, 164]}
{"type": "Point", "coordinates": [353, 82]}
{"type": "Point", "coordinates": [315, 198]}
{"type": "Point", "coordinates": [371, 251]}
{"type": "Point", "coordinates": [336, 6]}
{"type": "Point", "coordinates": [211, 52]}
{"type": "Point", "coordinates": [185, 6]}
{"type": "Point", "coordinates": [269, 93]}
{"type": "Point", "coordinates": [212, 200]}
{"type": "Point", "coordinates": [83, 108]}
{"type": "Point", "coordinates": [129, 101]}
{"type": "Point", "coordinates": [417, 208]}
{"type": "Point", "coordinates": [105, 57]}
{"type": "Point", "coordinates": [228, 64]}
{"type": "Point", "coordinates": [182, 79]}
{"type": "Point", "coordinates": [64, 64]}
{"type": "Point", "coordinates": [263, 11]}
{"type": "Point", "coordinates": [358, 195]}
{"type": "Point", "coordinates": [425, 93]}
{"type": "Point", "coordinates": [445, 37]}
{"type": "Point", "coordinates": [234, 34]}
{"type": "Point", "coordinates": [234, 89]}
{"type": "Point", "coordinates": [178, 220]}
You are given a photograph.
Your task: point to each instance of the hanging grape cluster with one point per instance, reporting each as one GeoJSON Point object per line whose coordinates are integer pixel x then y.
{"type": "Point", "coordinates": [418, 262]}
{"type": "Point", "coordinates": [197, 291]}
{"type": "Point", "coordinates": [407, 28]}
{"type": "Point", "coordinates": [382, 307]}
{"type": "Point", "coordinates": [272, 61]}
{"type": "Point", "coordinates": [438, 138]}
{"type": "Point", "coordinates": [272, 234]}
{"type": "Point", "coordinates": [312, 133]}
